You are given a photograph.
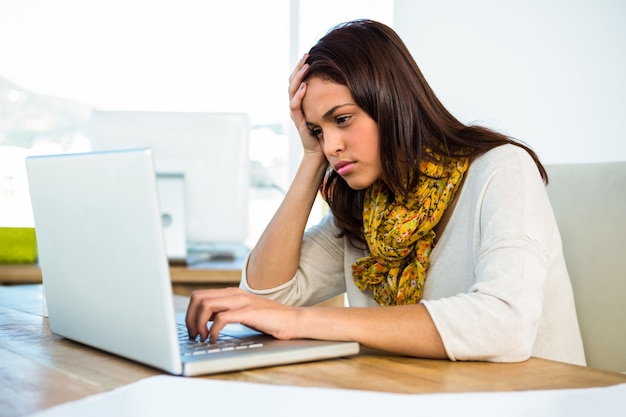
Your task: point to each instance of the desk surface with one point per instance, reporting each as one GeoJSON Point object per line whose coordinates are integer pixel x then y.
{"type": "Point", "coordinates": [209, 272]}
{"type": "Point", "coordinates": [40, 369]}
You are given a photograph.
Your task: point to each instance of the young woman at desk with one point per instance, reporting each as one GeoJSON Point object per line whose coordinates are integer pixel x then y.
{"type": "Point", "coordinates": [441, 234]}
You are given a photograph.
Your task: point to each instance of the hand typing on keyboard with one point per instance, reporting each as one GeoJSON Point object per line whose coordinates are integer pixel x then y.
{"type": "Point", "coordinates": [227, 306]}
{"type": "Point", "coordinates": [224, 343]}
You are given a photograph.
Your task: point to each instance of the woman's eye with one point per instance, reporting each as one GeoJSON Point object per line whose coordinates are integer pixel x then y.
{"type": "Point", "coordinates": [317, 132]}
{"type": "Point", "coordinates": [342, 119]}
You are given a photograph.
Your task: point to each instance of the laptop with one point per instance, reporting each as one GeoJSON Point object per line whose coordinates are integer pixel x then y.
{"type": "Point", "coordinates": [106, 274]}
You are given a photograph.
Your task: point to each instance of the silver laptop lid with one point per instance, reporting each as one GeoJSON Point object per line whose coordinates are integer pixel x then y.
{"type": "Point", "coordinates": [101, 251]}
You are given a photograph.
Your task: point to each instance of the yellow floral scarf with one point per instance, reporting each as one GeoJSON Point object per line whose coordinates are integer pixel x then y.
{"type": "Point", "coordinates": [400, 234]}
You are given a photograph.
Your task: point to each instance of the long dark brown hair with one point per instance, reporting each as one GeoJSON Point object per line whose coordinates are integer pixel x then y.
{"type": "Point", "coordinates": [371, 60]}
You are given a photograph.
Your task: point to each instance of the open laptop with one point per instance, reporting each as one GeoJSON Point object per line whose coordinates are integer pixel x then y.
{"type": "Point", "coordinates": [106, 274]}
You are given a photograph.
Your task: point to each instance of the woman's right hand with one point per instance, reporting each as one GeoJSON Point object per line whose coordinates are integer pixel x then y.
{"type": "Point", "coordinates": [297, 89]}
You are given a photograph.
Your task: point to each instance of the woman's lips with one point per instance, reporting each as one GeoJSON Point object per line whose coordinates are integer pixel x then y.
{"type": "Point", "coordinates": [343, 167]}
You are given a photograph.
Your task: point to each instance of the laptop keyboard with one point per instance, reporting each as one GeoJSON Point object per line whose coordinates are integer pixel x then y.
{"type": "Point", "coordinates": [225, 343]}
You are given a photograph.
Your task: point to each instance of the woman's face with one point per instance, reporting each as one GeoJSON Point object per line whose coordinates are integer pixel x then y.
{"type": "Point", "coordinates": [348, 136]}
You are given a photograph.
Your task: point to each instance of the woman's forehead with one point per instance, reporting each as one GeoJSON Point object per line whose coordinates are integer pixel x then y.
{"type": "Point", "coordinates": [322, 96]}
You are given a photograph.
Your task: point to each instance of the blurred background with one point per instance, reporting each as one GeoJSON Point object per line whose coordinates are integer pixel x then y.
{"type": "Point", "coordinates": [550, 73]}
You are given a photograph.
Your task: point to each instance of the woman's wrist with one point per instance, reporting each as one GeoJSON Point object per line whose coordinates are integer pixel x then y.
{"type": "Point", "coordinates": [315, 157]}
{"type": "Point", "coordinates": [313, 165]}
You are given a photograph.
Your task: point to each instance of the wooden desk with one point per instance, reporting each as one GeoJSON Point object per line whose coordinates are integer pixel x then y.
{"type": "Point", "coordinates": [185, 278]}
{"type": "Point", "coordinates": [39, 369]}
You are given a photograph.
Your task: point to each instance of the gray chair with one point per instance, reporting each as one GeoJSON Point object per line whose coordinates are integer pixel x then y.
{"type": "Point", "coordinates": [589, 202]}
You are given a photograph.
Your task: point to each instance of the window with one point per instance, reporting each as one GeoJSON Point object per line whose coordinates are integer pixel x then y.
{"type": "Point", "coordinates": [63, 59]}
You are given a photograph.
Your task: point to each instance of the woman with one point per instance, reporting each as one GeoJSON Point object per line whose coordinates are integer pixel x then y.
{"type": "Point", "coordinates": [441, 234]}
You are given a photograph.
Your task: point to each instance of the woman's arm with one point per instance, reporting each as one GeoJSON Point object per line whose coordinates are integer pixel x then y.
{"type": "Point", "coordinates": [274, 259]}
{"type": "Point", "coordinates": [406, 330]}
{"type": "Point", "coordinates": [321, 269]}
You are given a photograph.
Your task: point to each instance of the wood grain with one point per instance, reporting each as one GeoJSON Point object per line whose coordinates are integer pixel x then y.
{"type": "Point", "coordinates": [39, 369]}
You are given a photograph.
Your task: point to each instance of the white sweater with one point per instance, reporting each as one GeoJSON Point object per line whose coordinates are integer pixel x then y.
{"type": "Point", "coordinates": [497, 288]}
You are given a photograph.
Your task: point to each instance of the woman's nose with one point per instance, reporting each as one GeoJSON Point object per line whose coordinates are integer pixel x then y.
{"type": "Point", "coordinates": [333, 144]}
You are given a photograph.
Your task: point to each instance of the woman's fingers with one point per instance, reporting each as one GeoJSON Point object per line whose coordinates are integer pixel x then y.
{"type": "Point", "coordinates": [295, 105]}
{"type": "Point", "coordinates": [297, 75]}
{"type": "Point", "coordinates": [297, 87]}
{"type": "Point", "coordinates": [297, 90]}
{"type": "Point", "coordinates": [232, 305]}
{"type": "Point", "coordinates": [205, 304]}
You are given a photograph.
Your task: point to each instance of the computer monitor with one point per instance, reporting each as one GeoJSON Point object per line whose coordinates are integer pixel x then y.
{"type": "Point", "coordinates": [210, 150]}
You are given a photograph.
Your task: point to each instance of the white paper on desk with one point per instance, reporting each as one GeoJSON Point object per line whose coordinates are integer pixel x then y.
{"type": "Point", "coordinates": [175, 396]}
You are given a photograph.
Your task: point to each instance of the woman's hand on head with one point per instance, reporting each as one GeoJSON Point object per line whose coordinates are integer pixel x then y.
{"type": "Point", "coordinates": [297, 90]}
{"type": "Point", "coordinates": [233, 305]}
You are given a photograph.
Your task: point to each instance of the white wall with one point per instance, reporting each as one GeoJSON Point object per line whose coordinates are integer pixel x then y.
{"type": "Point", "coordinates": [551, 73]}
